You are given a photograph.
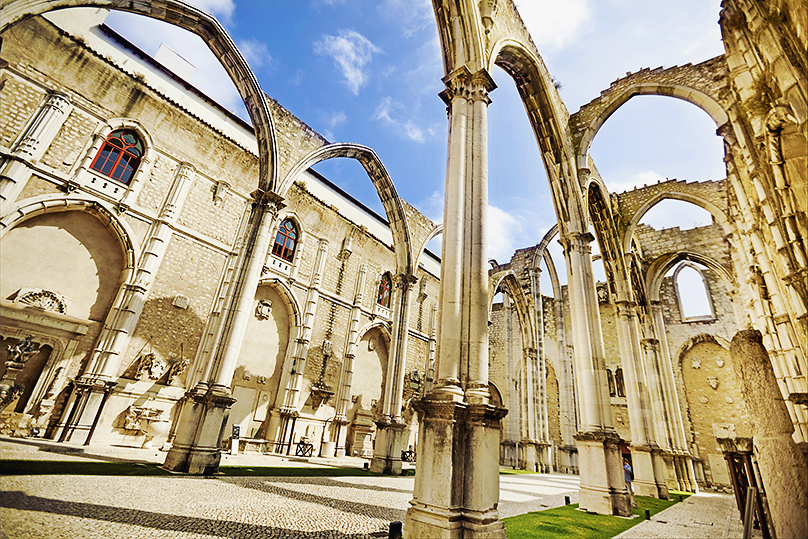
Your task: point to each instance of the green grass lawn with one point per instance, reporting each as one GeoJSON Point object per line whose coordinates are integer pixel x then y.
{"type": "Point", "coordinates": [64, 467]}
{"type": "Point", "coordinates": [569, 522]}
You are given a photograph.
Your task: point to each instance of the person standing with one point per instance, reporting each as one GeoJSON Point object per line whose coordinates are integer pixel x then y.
{"type": "Point", "coordinates": [627, 475]}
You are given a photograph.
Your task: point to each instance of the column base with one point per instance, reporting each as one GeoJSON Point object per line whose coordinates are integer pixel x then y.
{"type": "Point", "coordinates": [603, 488]}
{"type": "Point", "coordinates": [457, 480]}
{"type": "Point", "coordinates": [387, 453]}
{"type": "Point", "coordinates": [434, 523]}
{"type": "Point", "coordinates": [193, 405]}
{"type": "Point", "coordinates": [205, 455]}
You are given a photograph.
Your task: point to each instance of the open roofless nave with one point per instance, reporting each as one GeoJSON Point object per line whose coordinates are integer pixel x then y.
{"type": "Point", "coordinates": [172, 275]}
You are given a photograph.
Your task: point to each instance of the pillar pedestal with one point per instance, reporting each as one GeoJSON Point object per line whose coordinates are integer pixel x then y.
{"type": "Point", "coordinates": [603, 488]}
{"type": "Point", "coordinates": [191, 411]}
{"type": "Point", "coordinates": [468, 507]}
{"type": "Point", "coordinates": [205, 455]}
{"type": "Point", "coordinates": [387, 451]}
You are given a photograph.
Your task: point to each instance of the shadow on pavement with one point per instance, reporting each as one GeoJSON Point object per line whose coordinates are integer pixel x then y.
{"type": "Point", "coordinates": [149, 519]}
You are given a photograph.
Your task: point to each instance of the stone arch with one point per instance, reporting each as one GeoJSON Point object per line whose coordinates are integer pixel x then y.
{"type": "Point", "coordinates": [706, 195]}
{"type": "Point", "coordinates": [508, 279]}
{"type": "Point", "coordinates": [393, 205]}
{"type": "Point", "coordinates": [285, 292]}
{"type": "Point", "coordinates": [434, 233]}
{"type": "Point", "coordinates": [700, 338]}
{"type": "Point", "coordinates": [215, 37]}
{"type": "Point", "coordinates": [35, 206]}
{"type": "Point", "coordinates": [548, 119]}
{"type": "Point", "coordinates": [700, 85]}
{"type": "Point", "coordinates": [611, 251]}
{"type": "Point", "coordinates": [659, 267]}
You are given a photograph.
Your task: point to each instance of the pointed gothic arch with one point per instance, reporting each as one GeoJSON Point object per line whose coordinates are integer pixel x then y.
{"type": "Point", "coordinates": [393, 205]}
{"type": "Point", "coordinates": [213, 35]}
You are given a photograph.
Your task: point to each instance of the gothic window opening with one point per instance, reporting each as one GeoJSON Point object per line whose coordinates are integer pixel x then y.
{"type": "Point", "coordinates": [610, 377]}
{"type": "Point", "coordinates": [286, 241]}
{"type": "Point", "coordinates": [620, 385]}
{"type": "Point", "coordinates": [120, 156]}
{"type": "Point", "coordinates": [693, 293]}
{"type": "Point", "coordinates": [385, 290]}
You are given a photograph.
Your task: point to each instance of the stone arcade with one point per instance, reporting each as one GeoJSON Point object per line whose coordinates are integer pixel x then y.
{"type": "Point", "coordinates": [240, 288]}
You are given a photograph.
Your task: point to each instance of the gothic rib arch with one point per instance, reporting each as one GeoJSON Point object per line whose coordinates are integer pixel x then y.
{"type": "Point", "coordinates": [509, 280]}
{"type": "Point", "coordinates": [212, 33]}
{"type": "Point", "coordinates": [434, 233]}
{"type": "Point", "coordinates": [393, 206]}
{"type": "Point", "coordinates": [549, 119]}
{"type": "Point", "coordinates": [699, 84]}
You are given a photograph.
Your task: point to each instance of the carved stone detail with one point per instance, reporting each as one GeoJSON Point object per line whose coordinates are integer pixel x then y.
{"type": "Point", "coordinates": [47, 300]}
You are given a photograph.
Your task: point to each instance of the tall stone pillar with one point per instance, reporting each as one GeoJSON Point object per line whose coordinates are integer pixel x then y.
{"type": "Point", "coordinates": [214, 406]}
{"type": "Point", "coordinates": [643, 440]}
{"type": "Point", "coordinates": [128, 305]}
{"type": "Point", "coordinates": [292, 377]}
{"type": "Point", "coordinates": [346, 378]}
{"type": "Point", "coordinates": [457, 480]}
{"type": "Point", "coordinates": [678, 438]}
{"type": "Point", "coordinates": [14, 171]}
{"type": "Point", "coordinates": [603, 489]}
{"type": "Point", "coordinates": [390, 430]}
{"type": "Point", "coordinates": [783, 467]}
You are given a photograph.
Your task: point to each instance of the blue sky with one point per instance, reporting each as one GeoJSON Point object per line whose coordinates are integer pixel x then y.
{"type": "Point", "coordinates": [369, 72]}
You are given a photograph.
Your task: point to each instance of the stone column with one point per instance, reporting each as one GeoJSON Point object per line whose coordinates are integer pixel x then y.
{"type": "Point", "coordinates": [782, 465]}
{"type": "Point", "coordinates": [643, 440]}
{"type": "Point", "coordinates": [128, 305]}
{"type": "Point", "coordinates": [457, 481]}
{"type": "Point", "coordinates": [14, 171]}
{"type": "Point", "coordinates": [390, 430]}
{"type": "Point", "coordinates": [346, 378]}
{"type": "Point", "coordinates": [673, 411]}
{"type": "Point", "coordinates": [292, 378]}
{"type": "Point", "coordinates": [204, 456]}
{"type": "Point", "coordinates": [603, 489]}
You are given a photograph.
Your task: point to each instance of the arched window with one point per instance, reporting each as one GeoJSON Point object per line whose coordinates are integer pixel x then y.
{"type": "Point", "coordinates": [610, 377]}
{"type": "Point", "coordinates": [385, 290]}
{"type": "Point", "coordinates": [119, 156]}
{"type": "Point", "coordinates": [285, 241]}
{"type": "Point", "coordinates": [693, 293]}
{"type": "Point", "coordinates": [619, 383]}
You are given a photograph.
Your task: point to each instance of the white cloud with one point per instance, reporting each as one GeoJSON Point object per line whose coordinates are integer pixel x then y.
{"type": "Point", "coordinates": [255, 52]}
{"type": "Point", "coordinates": [432, 207]}
{"type": "Point", "coordinates": [411, 16]}
{"type": "Point", "coordinates": [407, 129]}
{"type": "Point", "coordinates": [221, 9]}
{"type": "Point", "coordinates": [503, 229]}
{"type": "Point", "coordinates": [351, 52]}
{"type": "Point", "coordinates": [332, 121]}
{"type": "Point", "coordinates": [554, 24]}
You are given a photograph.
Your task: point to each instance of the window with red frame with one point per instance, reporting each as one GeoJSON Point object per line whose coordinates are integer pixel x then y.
{"type": "Point", "coordinates": [120, 156]}
{"type": "Point", "coordinates": [285, 241]}
{"type": "Point", "coordinates": [385, 290]}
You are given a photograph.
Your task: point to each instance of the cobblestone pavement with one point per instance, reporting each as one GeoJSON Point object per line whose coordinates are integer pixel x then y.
{"type": "Point", "coordinates": [51, 506]}
{"type": "Point", "coordinates": [702, 516]}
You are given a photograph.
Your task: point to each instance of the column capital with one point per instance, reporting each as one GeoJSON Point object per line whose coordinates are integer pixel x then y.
{"type": "Point", "coordinates": [577, 241]}
{"type": "Point", "coordinates": [650, 345]}
{"type": "Point", "coordinates": [270, 200]}
{"type": "Point", "coordinates": [462, 83]}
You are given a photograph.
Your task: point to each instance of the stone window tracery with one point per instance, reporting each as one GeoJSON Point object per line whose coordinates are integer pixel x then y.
{"type": "Point", "coordinates": [119, 156]}
{"type": "Point", "coordinates": [286, 241]}
{"type": "Point", "coordinates": [385, 290]}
